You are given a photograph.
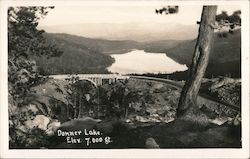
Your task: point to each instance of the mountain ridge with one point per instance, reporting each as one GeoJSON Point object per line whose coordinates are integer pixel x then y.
{"type": "Point", "coordinates": [141, 32]}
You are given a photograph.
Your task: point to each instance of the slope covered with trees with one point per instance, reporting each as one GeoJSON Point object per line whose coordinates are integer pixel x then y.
{"type": "Point", "coordinates": [74, 60]}
{"type": "Point", "coordinates": [82, 55]}
{"type": "Point", "coordinates": [225, 57]}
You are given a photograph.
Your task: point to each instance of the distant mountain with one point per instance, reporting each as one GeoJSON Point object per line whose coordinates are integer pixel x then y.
{"type": "Point", "coordinates": [103, 46]}
{"type": "Point", "coordinates": [140, 32]}
{"type": "Point", "coordinates": [225, 57]}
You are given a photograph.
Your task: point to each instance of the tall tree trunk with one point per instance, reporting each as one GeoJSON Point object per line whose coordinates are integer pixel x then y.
{"type": "Point", "coordinates": [200, 59]}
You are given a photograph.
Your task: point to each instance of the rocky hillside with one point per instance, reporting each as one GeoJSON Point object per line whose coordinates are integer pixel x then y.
{"type": "Point", "coordinates": [129, 108]}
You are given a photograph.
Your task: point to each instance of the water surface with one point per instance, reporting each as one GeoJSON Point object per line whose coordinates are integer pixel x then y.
{"type": "Point", "coordinates": [139, 61]}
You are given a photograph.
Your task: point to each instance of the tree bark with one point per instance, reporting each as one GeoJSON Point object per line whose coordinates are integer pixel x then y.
{"type": "Point", "coordinates": [200, 60]}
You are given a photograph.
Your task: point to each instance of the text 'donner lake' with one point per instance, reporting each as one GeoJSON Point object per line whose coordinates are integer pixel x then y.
{"type": "Point", "coordinates": [139, 61]}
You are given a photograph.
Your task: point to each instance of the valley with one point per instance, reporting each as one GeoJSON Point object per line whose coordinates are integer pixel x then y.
{"type": "Point", "coordinates": [86, 55]}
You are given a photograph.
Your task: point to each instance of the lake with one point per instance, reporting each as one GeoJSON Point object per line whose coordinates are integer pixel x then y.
{"type": "Point", "coordinates": [139, 61]}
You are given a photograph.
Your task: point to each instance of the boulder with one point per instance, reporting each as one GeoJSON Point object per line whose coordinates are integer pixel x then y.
{"type": "Point", "coordinates": [40, 121]}
{"type": "Point", "coordinates": [52, 127]}
{"type": "Point", "coordinates": [80, 124]}
{"type": "Point", "coordinates": [151, 143]}
{"type": "Point", "coordinates": [218, 121]}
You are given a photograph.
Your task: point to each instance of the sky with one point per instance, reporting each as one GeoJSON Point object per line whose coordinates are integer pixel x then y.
{"type": "Point", "coordinates": [126, 22]}
{"type": "Point", "coordinates": [70, 15]}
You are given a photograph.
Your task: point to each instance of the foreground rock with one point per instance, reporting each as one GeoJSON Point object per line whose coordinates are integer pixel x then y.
{"type": "Point", "coordinates": [176, 134]}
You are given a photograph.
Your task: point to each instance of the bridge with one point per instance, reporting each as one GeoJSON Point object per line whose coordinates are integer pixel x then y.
{"type": "Point", "coordinates": [95, 79]}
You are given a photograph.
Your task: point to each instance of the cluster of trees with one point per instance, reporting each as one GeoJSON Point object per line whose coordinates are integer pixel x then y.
{"type": "Point", "coordinates": [105, 102]}
{"type": "Point", "coordinates": [234, 19]}
{"type": "Point", "coordinates": [24, 41]}
{"type": "Point", "coordinates": [231, 21]}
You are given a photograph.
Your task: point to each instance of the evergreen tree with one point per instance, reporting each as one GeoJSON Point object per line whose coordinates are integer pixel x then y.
{"type": "Point", "coordinates": [24, 42]}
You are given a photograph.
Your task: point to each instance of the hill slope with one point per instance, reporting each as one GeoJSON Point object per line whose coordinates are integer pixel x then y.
{"type": "Point", "coordinates": [225, 57]}
{"type": "Point", "coordinates": [102, 45]}
{"type": "Point", "coordinates": [77, 57]}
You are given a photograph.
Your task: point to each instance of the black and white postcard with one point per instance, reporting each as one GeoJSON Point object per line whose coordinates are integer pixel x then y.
{"type": "Point", "coordinates": [124, 79]}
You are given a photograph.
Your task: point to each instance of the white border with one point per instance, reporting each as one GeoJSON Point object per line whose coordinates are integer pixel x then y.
{"type": "Point", "coordinates": [127, 153]}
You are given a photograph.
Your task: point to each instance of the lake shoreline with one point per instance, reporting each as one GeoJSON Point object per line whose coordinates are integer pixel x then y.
{"type": "Point", "coordinates": [140, 62]}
